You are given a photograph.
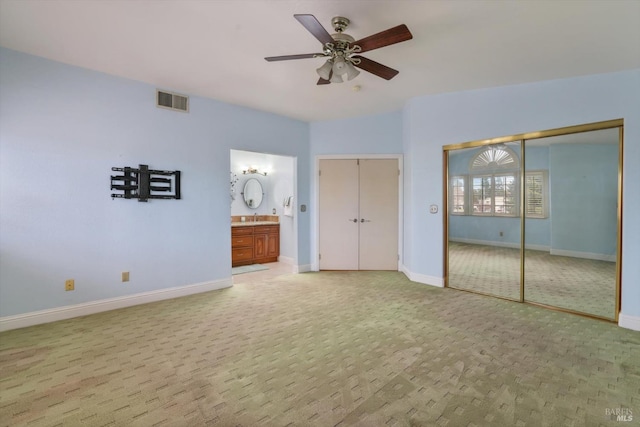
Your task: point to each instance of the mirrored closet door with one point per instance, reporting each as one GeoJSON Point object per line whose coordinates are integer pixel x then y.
{"type": "Point", "coordinates": [571, 221]}
{"type": "Point", "coordinates": [536, 218]}
{"type": "Point", "coordinates": [484, 224]}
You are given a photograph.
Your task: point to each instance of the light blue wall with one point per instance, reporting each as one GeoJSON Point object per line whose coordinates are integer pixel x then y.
{"type": "Point", "coordinates": [434, 121]}
{"type": "Point", "coordinates": [62, 128]}
{"type": "Point", "coordinates": [378, 134]}
{"type": "Point", "coordinates": [485, 229]}
{"type": "Point", "coordinates": [584, 205]}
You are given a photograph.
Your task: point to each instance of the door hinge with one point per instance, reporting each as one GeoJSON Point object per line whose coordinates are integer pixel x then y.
{"type": "Point", "coordinates": [319, 256]}
{"type": "Point", "coordinates": [319, 172]}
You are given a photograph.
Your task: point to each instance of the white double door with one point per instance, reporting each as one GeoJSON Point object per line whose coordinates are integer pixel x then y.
{"type": "Point", "coordinates": [358, 214]}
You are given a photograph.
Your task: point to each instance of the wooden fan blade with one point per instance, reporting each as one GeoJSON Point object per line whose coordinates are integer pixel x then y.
{"type": "Point", "coordinates": [314, 27]}
{"type": "Point", "coordinates": [288, 57]}
{"type": "Point", "coordinates": [376, 68]}
{"type": "Point", "coordinates": [384, 38]}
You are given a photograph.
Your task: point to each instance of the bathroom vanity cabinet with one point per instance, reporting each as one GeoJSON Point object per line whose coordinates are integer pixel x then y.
{"type": "Point", "coordinates": [254, 244]}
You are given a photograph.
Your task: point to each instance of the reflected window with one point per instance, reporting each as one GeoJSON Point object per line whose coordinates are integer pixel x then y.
{"type": "Point", "coordinates": [494, 182]}
{"type": "Point", "coordinates": [495, 194]}
{"type": "Point", "coordinates": [458, 201]}
{"type": "Point", "coordinates": [495, 157]}
{"type": "Point", "coordinates": [536, 197]}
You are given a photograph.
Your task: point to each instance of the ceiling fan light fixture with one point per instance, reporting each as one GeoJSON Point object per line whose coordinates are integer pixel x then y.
{"type": "Point", "coordinates": [339, 66]}
{"type": "Point", "coordinates": [352, 72]}
{"type": "Point", "coordinates": [325, 71]}
{"type": "Point", "coordinates": [335, 78]}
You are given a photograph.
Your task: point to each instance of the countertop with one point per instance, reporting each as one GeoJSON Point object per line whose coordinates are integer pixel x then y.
{"type": "Point", "coordinates": [252, 223]}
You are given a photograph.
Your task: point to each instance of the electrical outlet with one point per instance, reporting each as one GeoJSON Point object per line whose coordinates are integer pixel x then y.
{"type": "Point", "coordinates": [69, 285]}
{"type": "Point", "coordinates": [125, 276]}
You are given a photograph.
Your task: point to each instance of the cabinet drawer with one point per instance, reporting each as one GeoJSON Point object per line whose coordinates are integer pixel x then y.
{"type": "Point", "coordinates": [241, 231]}
{"type": "Point", "coordinates": [241, 241]}
{"type": "Point", "coordinates": [241, 254]}
{"type": "Point", "coordinates": [267, 229]}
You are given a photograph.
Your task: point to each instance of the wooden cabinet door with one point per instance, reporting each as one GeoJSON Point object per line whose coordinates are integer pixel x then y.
{"type": "Point", "coordinates": [260, 246]}
{"type": "Point", "coordinates": [273, 245]}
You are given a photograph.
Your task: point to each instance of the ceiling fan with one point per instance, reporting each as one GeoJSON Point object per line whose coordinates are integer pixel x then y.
{"type": "Point", "coordinates": [342, 50]}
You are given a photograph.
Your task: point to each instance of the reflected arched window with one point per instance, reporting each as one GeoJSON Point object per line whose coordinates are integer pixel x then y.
{"type": "Point", "coordinates": [495, 157]}
{"type": "Point", "coordinates": [491, 186]}
{"type": "Point", "coordinates": [493, 174]}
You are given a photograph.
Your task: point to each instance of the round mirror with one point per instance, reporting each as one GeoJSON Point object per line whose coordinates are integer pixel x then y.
{"type": "Point", "coordinates": [252, 193]}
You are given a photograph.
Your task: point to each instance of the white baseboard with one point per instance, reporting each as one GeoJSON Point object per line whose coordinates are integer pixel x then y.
{"type": "Point", "coordinates": [585, 255]}
{"type": "Point", "coordinates": [629, 322]}
{"type": "Point", "coordinates": [92, 307]}
{"type": "Point", "coordinates": [292, 262]}
{"type": "Point", "coordinates": [286, 260]}
{"type": "Point", "coordinates": [422, 278]}
{"type": "Point", "coordinates": [303, 268]}
{"type": "Point", "coordinates": [499, 244]}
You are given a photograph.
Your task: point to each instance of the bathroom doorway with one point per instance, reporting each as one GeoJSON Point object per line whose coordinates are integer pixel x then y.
{"type": "Point", "coordinates": [263, 187]}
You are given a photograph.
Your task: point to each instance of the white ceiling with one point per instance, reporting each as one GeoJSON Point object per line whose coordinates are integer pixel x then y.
{"type": "Point", "coordinates": [216, 48]}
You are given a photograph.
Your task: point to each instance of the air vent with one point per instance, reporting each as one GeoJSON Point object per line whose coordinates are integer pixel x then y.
{"type": "Point", "coordinates": [172, 101]}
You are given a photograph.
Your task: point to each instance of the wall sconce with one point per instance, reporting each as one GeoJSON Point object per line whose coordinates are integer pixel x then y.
{"type": "Point", "coordinates": [253, 171]}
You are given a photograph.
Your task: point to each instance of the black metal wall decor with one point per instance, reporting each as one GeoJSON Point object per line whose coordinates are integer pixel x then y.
{"type": "Point", "coordinates": [144, 183]}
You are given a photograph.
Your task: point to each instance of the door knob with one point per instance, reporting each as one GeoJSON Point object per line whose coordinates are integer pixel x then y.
{"type": "Point", "coordinates": [354, 220]}
{"type": "Point", "coordinates": [365, 220]}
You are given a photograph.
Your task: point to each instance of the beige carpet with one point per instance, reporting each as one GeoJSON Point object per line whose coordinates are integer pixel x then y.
{"type": "Point", "coordinates": [321, 349]}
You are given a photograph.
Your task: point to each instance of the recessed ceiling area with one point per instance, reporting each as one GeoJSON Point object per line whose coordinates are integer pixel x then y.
{"type": "Point", "coordinates": [216, 49]}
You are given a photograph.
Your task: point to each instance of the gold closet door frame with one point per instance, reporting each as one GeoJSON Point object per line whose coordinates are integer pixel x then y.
{"type": "Point", "coordinates": [608, 124]}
